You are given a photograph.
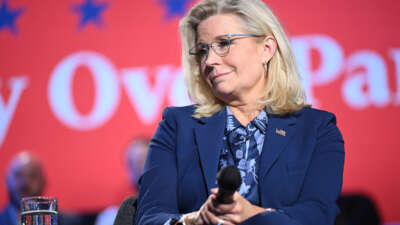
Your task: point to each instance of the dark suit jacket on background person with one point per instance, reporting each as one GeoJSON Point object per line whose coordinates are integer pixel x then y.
{"type": "Point", "coordinates": [8, 216]}
{"type": "Point", "coordinates": [300, 173]}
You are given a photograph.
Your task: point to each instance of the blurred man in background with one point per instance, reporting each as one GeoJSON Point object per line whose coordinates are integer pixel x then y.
{"type": "Point", "coordinates": [135, 156]}
{"type": "Point", "coordinates": [24, 178]}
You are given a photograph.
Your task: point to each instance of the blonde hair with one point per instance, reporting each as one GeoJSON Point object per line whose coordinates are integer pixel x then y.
{"type": "Point", "coordinates": [283, 91]}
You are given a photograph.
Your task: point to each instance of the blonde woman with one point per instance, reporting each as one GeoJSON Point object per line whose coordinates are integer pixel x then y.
{"type": "Point", "coordinates": [250, 112]}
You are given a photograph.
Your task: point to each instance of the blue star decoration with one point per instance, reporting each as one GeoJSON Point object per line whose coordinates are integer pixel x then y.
{"type": "Point", "coordinates": [175, 8]}
{"type": "Point", "coordinates": [90, 12]}
{"type": "Point", "coordinates": [8, 17]}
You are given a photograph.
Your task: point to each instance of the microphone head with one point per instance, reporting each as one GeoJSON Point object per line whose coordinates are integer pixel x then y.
{"type": "Point", "coordinates": [229, 178]}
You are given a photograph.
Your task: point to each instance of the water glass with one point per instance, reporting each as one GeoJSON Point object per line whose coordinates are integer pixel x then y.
{"type": "Point", "coordinates": [39, 211]}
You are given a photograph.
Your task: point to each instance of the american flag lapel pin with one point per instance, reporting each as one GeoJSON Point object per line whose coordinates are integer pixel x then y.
{"type": "Point", "coordinates": [280, 132]}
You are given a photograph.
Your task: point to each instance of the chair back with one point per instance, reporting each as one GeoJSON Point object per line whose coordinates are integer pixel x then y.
{"type": "Point", "coordinates": [126, 212]}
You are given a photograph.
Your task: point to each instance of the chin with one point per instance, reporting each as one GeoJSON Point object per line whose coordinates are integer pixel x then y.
{"type": "Point", "coordinates": [223, 95]}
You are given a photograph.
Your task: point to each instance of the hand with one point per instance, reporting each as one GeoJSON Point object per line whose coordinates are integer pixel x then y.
{"type": "Point", "coordinates": [237, 211]}
{"type": "Point", "coordinates": [204, 216]}
{"type": "Point", "coordinates": [212, 212]}
{"type": "Point", "coordinates": [193, 219]}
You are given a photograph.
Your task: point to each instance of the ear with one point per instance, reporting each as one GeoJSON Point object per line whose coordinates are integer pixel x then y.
{"type": "Point", "coordinates": [269, 48]}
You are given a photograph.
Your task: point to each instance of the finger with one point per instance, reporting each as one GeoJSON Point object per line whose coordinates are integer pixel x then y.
{"type": "Point", "coordinates": [204, 213]}
{"type": "Point", "coordinates": [213, 203]}
{"type": "Point", "coordinates": [194, 218]}
{"type": "Point", "coordinates": [223, 222]}
{"type": "Point", "coordinates": [236, 196]}
{"type": "Point", "coordinates": [202, 218]}
{"type": "Point", "coordinates": [213, 218]}
{"type": "Point", "coordinates": [220, 208]}
{"type": "Point", "coordinates": [231, 219]}
{"type": "Point", "coordinates": [214, 191]}
{"type": "Point", "coordinates": [236, 206]}
{"type": "Point", "coordinates": [208, 206]}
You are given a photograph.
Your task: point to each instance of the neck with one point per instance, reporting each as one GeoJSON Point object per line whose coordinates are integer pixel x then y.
{"type": "Point", "coordinates": [245, 113]}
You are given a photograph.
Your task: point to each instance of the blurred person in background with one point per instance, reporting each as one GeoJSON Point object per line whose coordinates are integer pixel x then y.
{"type": "Point", "coordinates": [135, 156]}
{"type": "Point", "coordinates": [24, 178]}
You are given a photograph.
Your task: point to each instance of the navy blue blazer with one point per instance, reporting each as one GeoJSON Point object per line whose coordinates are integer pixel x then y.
{"type": "Point", "coordinates": [300, 172]}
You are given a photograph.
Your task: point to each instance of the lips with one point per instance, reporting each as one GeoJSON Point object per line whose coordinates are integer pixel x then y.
{"type": "Point", "coordinates": [218, 75]}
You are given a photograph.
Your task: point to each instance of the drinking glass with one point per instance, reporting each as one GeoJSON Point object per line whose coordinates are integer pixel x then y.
{"type": "Point", "coordinates": [39, 210]}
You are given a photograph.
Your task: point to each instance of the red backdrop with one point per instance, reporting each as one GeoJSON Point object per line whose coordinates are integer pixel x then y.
{"type": "Point", "coordinates": [80, 78]}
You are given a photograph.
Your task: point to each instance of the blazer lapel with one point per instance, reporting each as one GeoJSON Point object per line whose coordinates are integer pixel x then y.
{"type": "Point", "coordinates": [209, 135]}
{"type": "Point", "coordinates": [280, 130]}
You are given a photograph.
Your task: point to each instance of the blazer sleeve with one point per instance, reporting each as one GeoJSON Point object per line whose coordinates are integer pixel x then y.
{"type": "Point", "coordinates": [157, 201]}
{"type": "Point", "coordinates": [322, 185]}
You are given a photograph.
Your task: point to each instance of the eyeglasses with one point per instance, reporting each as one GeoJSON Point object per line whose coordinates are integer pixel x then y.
{"type": "Point", "coordinates": [220, 46]}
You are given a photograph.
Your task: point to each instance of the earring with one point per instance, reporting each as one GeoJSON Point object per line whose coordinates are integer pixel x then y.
{"type": "Point", "coordinates": [265, 64]}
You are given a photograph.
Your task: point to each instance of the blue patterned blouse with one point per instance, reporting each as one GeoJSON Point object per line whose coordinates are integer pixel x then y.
{"type": "Point", "coordinates": [242, 147]}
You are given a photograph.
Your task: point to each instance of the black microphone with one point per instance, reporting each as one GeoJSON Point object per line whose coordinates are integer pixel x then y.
{"type": "Point", "coordinates": [229, 181]}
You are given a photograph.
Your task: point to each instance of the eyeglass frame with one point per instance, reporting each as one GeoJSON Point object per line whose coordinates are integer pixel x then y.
{"type": "Point", "coordinates": [211, 44]}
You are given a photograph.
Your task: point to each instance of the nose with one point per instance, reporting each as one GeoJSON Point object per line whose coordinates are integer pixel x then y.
{"type": "Point", "coordinates": [212, 58]}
